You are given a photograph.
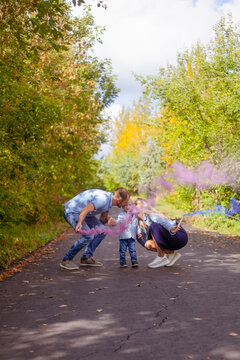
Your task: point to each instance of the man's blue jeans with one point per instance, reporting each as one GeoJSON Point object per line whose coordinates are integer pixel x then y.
{"type": "Point", "coordinates": [92, 241]}
{"type": "Point", "coordinates": [123, 245]}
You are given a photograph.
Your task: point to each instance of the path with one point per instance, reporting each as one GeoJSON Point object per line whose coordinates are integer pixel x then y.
{"type": "Point", "coordinates": [188, 311]}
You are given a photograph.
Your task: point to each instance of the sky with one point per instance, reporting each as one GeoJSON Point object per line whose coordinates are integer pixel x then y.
{"type": "Point", "coordinates": [144, 35]}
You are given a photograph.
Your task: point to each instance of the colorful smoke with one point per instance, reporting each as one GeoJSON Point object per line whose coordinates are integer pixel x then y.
{"type": "Point", "coordinates": [115, 230]}
{"type": "Point", "coordinates": [234, 208]}
{"type": "Point", "coordinates": [202, 177]}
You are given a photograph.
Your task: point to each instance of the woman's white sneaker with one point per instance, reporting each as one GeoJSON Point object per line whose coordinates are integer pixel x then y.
{"type": "Point", "coordinates": [173, 258]}
{"type": "Point", "coordinates": [158, 262]}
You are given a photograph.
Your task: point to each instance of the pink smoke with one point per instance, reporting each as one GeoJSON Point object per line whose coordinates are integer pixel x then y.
{"type": "Point", "coordinates": [160, 181]}
{"type": "Point", "coordinates": [202, 177]}
{"type": "Point", "coordinates": [115, 230]}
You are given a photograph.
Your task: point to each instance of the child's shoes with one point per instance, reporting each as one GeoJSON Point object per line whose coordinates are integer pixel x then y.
{"type": "Point", "coordinates": [123, 265]}
{"type": "Point", "coordinates": [134, 264]}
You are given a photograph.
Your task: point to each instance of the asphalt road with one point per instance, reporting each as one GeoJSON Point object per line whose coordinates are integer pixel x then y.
{"type": "Point", "coordinates": [188, 311]}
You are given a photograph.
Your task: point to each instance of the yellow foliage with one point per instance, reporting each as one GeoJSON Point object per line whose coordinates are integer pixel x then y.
{"type": "Point", "coordinates": [131, 132]}
{"type": "Point", "coordinates": [134, 127]}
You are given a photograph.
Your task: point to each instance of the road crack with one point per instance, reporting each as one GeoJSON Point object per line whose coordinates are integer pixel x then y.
{"type": "Point", "coordinates": [155, 324]}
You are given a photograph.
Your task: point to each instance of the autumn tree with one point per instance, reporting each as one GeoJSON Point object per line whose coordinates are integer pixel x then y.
{"type": "Point", "coordinates": [136, 156]}
{"type": "Point", "coordinates": [192, 114]}
{"type": "Point", "coordinates": [199, 98]}
{"type": "Point", "coordinates": [52, 92]}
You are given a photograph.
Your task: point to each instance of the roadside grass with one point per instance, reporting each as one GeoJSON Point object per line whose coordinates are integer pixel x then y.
{"type": "Point", "coordinates": [18, 240]}
{"type": "Point", "coordinates": [216, 222]}
{"type": "Point", "coordinates": [168, 209]}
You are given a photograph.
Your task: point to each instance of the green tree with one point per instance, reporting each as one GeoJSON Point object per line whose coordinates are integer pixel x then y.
{"type": "Point", "coordinates": [202, 93]}
{"type": "Point", "coordinates": [52, 93]}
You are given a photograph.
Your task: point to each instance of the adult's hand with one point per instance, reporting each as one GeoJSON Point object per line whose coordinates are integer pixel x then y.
{"type": "Point", "coordinates": [89, 208]}
{"type": "Point", "coordinates": [174, 229]}
{"type": "Point", "coordinates": [78, 227]}
{"type": "Point", "coordinates": [111, 222]}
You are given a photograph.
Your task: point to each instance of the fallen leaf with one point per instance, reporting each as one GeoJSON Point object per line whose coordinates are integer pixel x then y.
{"type": "Point", "coordinates": [62, 306]}
{"type": "Point", "coordinates": [197, 319]}
{"type": "Point", "coordinates": [189, 357]}
{"type": "Point", "coordinates": [58, 314]}
{"type": "Point", "coordinates": [91, 292]}
{"type": "Point", "coordinates": [99, 310]}
{"type": "Point", "coordinates": [233, 334]}
{"type": "Point", "coordinates": [138, 285]}
{"type": "Point", "coordinates": [105, 287]}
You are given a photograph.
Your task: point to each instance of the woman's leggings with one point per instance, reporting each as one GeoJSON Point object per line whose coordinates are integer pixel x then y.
{"type": "Point", "coordinates": [165, 240]}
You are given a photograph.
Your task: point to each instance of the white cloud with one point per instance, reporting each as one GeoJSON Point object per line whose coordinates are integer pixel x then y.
{"type": "Point", "coordinates": [114, 110]}
{"type": "Point", "coordinates": [143, 35]}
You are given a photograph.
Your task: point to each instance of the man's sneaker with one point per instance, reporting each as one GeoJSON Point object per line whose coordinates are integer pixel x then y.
{"type": "Point", "coordinates": [134, 264]}
{"type": "Point", "coordinates": [173, 258]}
{"type": "Point", "coordinates": [123, 264]}
{"type": "Point", "coordinates": [158, 262]}
{"type": "Point", "coordinates": [90, 262]}
{"type": "Point", "coordinates": [68, 265]}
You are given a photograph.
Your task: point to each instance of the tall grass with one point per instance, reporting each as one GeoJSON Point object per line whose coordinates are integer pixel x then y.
{"type": "Point", "coordinates": [18, 240]}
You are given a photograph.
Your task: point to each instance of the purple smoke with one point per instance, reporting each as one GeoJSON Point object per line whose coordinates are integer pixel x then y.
{"type": "Point", "coordinates": [115, 230]}
{"type": "Point", "coordinates": [202, 177]}
{"type": "Point", "coordinates": [160, 181]}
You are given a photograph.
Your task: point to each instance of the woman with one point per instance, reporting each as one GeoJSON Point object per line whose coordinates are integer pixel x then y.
{"type": "Point", "coordinates": [160, 235]}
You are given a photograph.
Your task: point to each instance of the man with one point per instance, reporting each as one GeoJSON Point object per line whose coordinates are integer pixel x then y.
{"type": "Point", "coordinates": [80, 214]}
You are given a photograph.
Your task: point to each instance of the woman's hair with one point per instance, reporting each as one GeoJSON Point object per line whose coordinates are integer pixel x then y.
{"type": "Point", "coordinates": [143, 202]}
{"type": "Point", "coordinates": [147, 209]}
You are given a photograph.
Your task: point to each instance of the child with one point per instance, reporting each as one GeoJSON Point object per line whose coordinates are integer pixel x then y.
{"type": "Point", "coordinates": [127, 239]}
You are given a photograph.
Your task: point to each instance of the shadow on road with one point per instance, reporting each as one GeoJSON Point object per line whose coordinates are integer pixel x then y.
{"type": "Point", "coordinates": [188, 311]}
